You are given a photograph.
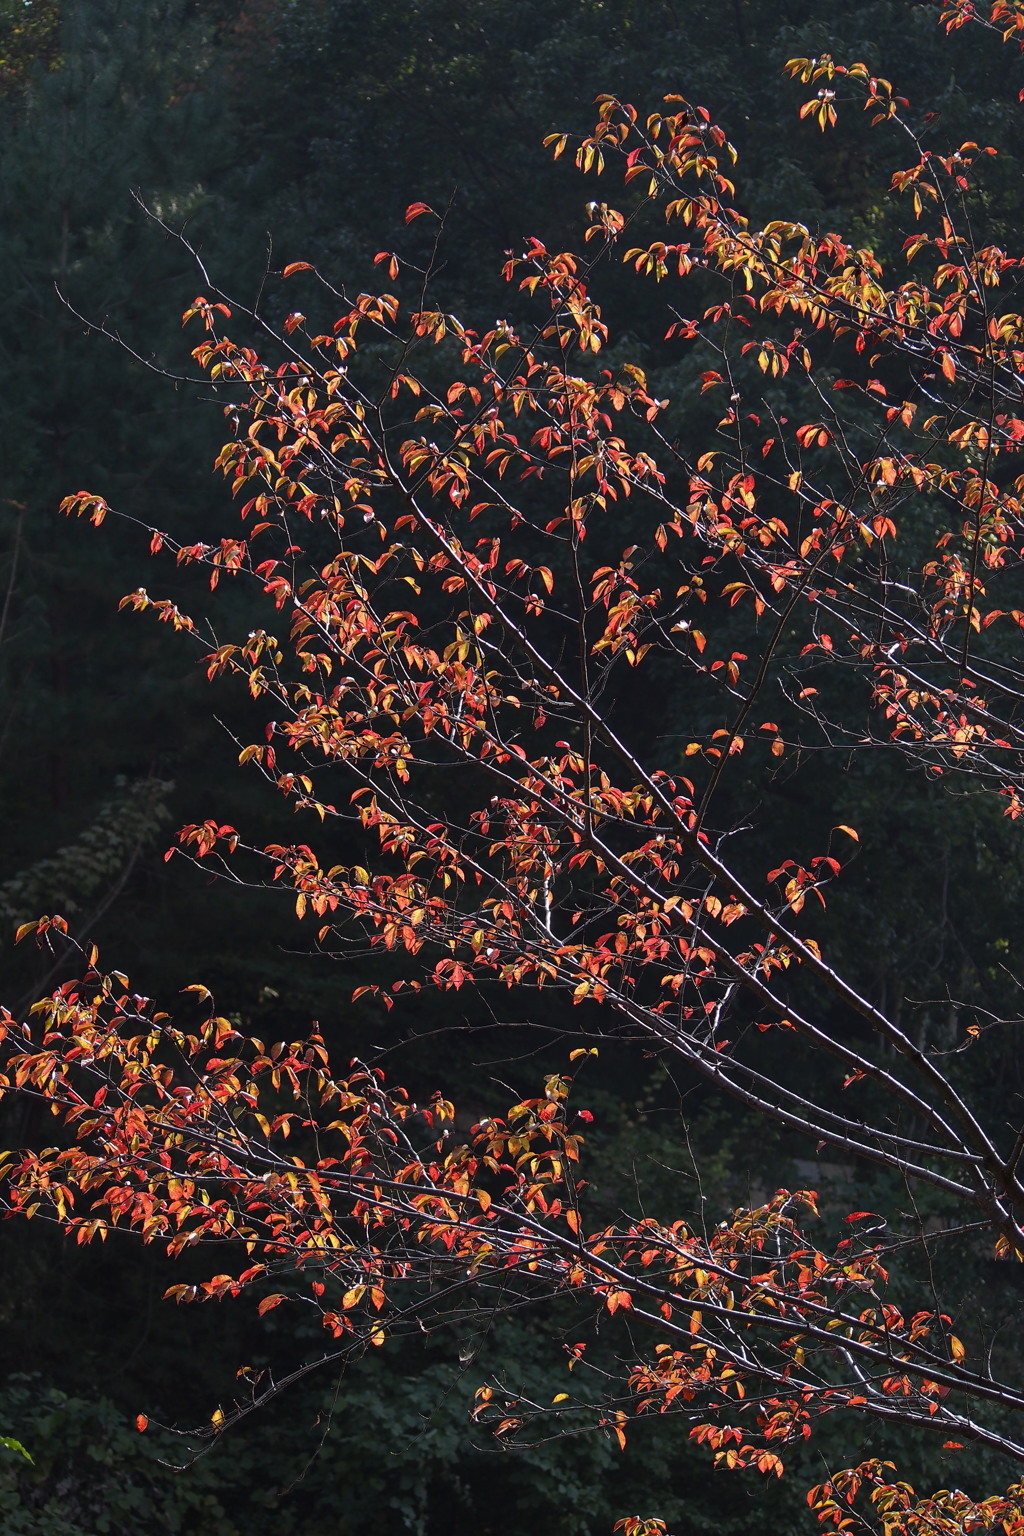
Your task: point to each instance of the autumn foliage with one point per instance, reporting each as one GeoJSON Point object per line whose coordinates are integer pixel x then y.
{"type": "Point", "coordinates": [436, 515]}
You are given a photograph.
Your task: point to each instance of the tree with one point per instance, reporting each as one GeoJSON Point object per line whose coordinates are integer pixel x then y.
{"type": "Point", "coordinates": [503, 561]}
{"type": "Point", "coordinates": [106, 99]}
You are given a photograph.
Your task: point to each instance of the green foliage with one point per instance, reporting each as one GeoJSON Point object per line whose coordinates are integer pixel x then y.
{"type": "Point", "coordinates": [95, 867]}
{"type": "Point", "coordinates": [29, 40]}
{"type": "Point", "coordinates": [91, 1474]}
{"type": "Point", "coordinates": [134, 103]}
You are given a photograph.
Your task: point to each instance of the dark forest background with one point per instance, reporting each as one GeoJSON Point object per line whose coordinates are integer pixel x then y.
{"type": "Point", "coordinates": [272, 131]}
